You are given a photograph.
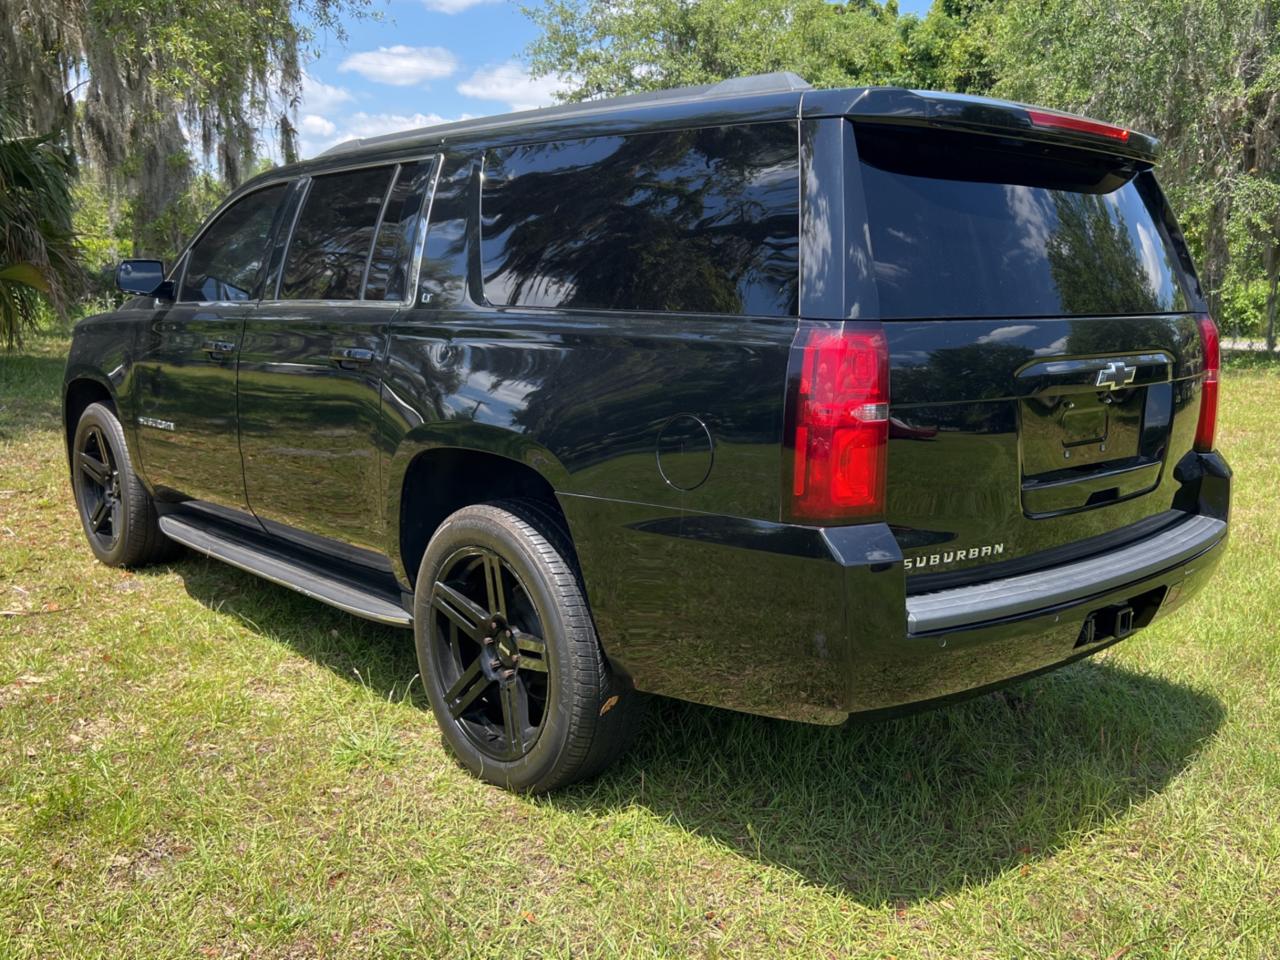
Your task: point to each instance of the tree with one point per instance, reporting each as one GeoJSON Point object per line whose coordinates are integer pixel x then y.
{"type": "Point", "coordinates": [139, 82]}
{"type": "Point", "coordinates": [39, 257]}
{"type": "Point", "coordinates": [1204, 77]}
{"type": "Point", "coordinates": [607, 49]}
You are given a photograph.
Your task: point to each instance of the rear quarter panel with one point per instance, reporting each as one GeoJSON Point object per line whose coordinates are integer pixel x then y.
{"type": "Point", "coordinates": [582, 398]}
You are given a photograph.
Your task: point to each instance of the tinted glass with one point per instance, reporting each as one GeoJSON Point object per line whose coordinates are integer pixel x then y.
{"type": "Point", "coordinates": [978, 226]}
{"type": "Point", "coordinates": [444, 258]}
{"type": "Point", "coordinates": [228, 260]}
{"type": "Point", "coordinates": [334, 233]}
{"type": "Point", "coordinates": [693, 220]}
{"type": "Point", "coordinates": [393, 248]}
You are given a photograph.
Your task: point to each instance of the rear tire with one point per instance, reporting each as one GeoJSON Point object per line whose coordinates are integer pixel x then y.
{"type": "Point", "coordinates": [508, 652]}
{"type": "Point", "coordinates": [118, 515]}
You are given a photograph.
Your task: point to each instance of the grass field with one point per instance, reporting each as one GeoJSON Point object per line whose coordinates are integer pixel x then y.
{"type": "Point", "coordinates": [194, 763]}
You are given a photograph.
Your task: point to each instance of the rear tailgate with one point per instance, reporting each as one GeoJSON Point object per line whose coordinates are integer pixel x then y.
{"type": "Point", "coordinates": [1045, 349]}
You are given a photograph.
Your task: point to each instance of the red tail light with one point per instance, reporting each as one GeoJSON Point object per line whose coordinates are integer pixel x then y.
{"type": "Point", "coordinates": [1208, 423]}
{"type": "Point", "coordinates": [840, 426]}
{"type": "Point", "coordinates": [1064, 121]}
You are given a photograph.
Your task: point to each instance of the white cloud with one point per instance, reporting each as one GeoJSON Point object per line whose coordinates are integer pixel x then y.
{"type": "Point", "coordinates": [1058, 346]}
{"type": "Point", "coordinates": [509, 83]}
{"type": "Point", "coordinates": [360, 125]}
{"type": "Point", "coordinates": [1151, 258]}
{"type": "Point", "coordinates": [453, 6]}
{"type": "Point", "coordinates": [314, 125]}
{"type": "Point", "coordinates": [1011, 332]}
{"type": "Point", "coordinates": [400, 65]}
{"type": "Point", "coordinates": [321, 98]}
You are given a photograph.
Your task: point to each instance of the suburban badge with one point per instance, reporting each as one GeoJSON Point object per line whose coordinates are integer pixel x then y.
{"type": "Point", "coordinates": [953, 556]}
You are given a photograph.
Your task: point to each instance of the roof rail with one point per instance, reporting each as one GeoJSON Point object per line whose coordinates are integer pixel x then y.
{"type": "Point", "coordinates": [765, 83]}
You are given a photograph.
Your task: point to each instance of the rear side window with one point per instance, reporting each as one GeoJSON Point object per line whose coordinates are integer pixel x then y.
{"type": "Point", "coordinates": [334, 234]}
{"type": "Point", "coordinates": [228, 260]}
{"type": "Point", "coordinates": [980, 226]}
{"type": "Point", "coordinates": [700, 220]}
{"type": "Point", "coordinates": [393, 246]}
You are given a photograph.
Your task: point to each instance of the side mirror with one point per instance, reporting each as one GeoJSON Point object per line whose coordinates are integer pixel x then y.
{"type": "Point", "coordinates": [143, 278]}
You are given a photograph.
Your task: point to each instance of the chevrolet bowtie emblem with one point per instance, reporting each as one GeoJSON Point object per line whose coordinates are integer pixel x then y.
{"type": "Point", "coordinates": [1116, 374]}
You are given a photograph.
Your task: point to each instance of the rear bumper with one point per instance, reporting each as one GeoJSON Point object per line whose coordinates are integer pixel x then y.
{"type": "Point", "coordinates": [814, 624]}
{"type": "Point", "coordinates": [1065, 586]}
{"type": "Point", "coordinates": [961, 642]}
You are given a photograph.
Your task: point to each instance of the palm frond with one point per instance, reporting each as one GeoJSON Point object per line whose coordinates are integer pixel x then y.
{"type": "Point", "coordinates": [39, 256]}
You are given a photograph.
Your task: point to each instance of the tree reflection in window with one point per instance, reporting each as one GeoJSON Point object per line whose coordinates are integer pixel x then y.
{"type": "Point", "coordinates": [227, 262]}
{"type": "Point", "coordinates": [334, 234]}
{"type": "Point", "coordinates": [694, 220]}
{"type": "Point", "coordinates": [963, 225]}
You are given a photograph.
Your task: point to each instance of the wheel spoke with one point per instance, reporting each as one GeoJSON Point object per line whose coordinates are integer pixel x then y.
{"type": "Point", "coordinates": [115, 517]}
{"type": "Point", "coordinates": [99, 515]}
{"type": "Point", "coordinates": [100, 441]}
{"type": "Point", "coordinates": [465, 689]}
{"type": "Point", "coordinates": [533, 652]}
{"type": "Point", "coordinates": [96, 470]}
{"type": "Point", "coordinates": [493, 584]}
{"type": "Point", "coordinates": [515, 714]}
{"type": "Point", "coordinates": [468, 616]}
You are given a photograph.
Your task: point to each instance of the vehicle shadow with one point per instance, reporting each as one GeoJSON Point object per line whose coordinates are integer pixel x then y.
{"type": "Point", "coordinates": [894, 811]}
{"type": "Point", "coordinates": [901, 810]}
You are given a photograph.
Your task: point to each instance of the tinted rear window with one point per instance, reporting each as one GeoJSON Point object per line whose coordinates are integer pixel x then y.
{"type": "Point", "coordinates": [700, 220]}
{"type": "Point", "coordinates": [979, 226]}
{"type": "Point", "coordinates": [334, 234]}
{"type": "Point", "coordinates": [389, 263]}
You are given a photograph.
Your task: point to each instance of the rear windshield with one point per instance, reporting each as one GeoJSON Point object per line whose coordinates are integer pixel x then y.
{"type": "Point", "coordinates": [965, 225]}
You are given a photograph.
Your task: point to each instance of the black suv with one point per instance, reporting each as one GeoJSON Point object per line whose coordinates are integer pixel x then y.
{"type": "Point", "coordinates": [805, 403]}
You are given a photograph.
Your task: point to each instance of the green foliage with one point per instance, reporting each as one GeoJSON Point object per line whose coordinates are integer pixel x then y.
{"type": "Point", "coordinates": [612, 49]}
{"type": "Point", "coordinates": [1204, 77]}
{"type": "Point", "coordinates": [150, 73]}
{"type": "Point", "coordinates": [107, 224]}
{"type": "Point", "coordinates": [39, 256]}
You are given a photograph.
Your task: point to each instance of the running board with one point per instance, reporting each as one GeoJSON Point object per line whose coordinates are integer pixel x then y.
{"type": "Point", "coordinates": [275, 564]}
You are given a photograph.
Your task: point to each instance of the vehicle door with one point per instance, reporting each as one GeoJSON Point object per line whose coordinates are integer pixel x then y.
{"type": "Point", "coordinates": [186, 363]}
{"type": "Point", "coordinates": [312, 357]}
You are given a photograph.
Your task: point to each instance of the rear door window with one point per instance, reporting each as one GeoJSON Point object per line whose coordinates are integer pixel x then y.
{"type": "Point", "coordinates": [334, 235]}
{"type": "Point", "coordinates": [981, 226]}
{"type": "Point", "coordinates": [702, 220]}
{"type": "Point", "coordinates": [393, 247]}
{"type": "Point", "coordinates": [228, 261]}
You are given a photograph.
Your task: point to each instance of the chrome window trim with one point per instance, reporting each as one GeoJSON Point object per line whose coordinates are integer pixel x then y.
{"type": "Point", "coordinates": [421, 229]}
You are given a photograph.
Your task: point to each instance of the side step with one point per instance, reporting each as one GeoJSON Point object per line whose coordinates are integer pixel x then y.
{"type": "Point", "coordinates": [274, 563]}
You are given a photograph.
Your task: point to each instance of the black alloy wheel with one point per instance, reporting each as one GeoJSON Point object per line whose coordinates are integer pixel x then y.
{"type": "Point", "coordinates": [118, 515]}
{"type": "Point", "coordinates": [508, 653]}
{"type": "Point", "coordinates": [489, 654]}
{"type": "Point", "coordinates": [98, 491]}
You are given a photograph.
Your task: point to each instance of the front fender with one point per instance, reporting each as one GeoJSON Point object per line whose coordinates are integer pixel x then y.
{"type": "Point", "coordinates": [102, 353]}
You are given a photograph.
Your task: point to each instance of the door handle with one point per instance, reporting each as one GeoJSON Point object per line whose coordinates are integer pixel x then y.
{"type": "Point", "coordinates": [348, 358]}
{"type": "Point", "coordinates": [219, 349]}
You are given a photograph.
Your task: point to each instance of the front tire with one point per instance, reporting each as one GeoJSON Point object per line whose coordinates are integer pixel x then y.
{"type": "Point", "coordinates": [117, 513]}
{"type": "Point", "coordinates": [509, 655]}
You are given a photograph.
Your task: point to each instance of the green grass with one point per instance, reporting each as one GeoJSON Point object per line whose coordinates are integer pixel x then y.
{"type": "Point", "coordinates": [194, 763]}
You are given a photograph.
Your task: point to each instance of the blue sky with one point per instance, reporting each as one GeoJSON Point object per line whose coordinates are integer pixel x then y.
{"type": "Point", "coordinates": [423, 62]}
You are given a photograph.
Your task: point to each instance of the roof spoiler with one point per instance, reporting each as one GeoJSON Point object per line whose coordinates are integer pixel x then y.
{"type": "Point", "coordinates": [957, 111]}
